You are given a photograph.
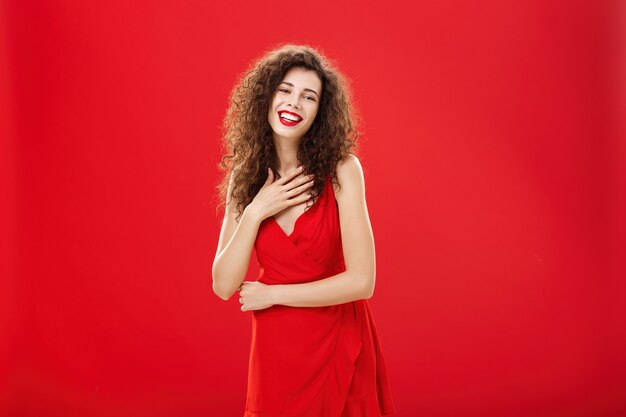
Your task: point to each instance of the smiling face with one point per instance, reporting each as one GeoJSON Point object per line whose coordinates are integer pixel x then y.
{"type": "Point", "coordinates": [295, 103]}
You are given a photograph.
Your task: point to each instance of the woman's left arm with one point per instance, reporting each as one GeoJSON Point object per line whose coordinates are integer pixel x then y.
{"type": "Point", "coordinates": [357, 281]}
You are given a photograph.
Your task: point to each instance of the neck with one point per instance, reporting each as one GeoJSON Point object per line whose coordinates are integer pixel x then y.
{"type": "Point", "coordinates": [286, 152]}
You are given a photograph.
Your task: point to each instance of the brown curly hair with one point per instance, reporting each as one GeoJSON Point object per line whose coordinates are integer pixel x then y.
{"type": "Point", "coordinates": [247, 135]}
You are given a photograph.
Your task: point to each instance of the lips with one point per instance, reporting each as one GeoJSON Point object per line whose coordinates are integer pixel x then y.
{"type": "Point", "coordinates": [287, 122]}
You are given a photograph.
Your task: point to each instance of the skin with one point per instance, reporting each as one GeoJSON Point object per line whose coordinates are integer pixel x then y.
{"type": "Point", "coordinates": [285, 199]}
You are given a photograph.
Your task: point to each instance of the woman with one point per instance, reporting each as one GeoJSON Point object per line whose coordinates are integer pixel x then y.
{"type": "Point", "coordinates": [290, 134]}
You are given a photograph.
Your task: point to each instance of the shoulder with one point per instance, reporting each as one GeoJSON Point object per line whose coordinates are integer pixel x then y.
{"type": "Point", "coordinates": [350, 176]}
{"type": "Point", "coordinates": [349, 164]}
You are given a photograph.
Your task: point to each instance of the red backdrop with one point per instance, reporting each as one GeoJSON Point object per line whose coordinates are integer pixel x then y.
{"type": "Point", "coordinates": [494, 159]}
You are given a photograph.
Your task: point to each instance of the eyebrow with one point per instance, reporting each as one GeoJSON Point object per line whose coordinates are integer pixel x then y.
{"type": "Point", "coordinates": [305, 89]}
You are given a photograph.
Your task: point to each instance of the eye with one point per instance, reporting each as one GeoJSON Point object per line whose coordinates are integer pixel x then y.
{"type": "Point", "coordinates": [310, 98]}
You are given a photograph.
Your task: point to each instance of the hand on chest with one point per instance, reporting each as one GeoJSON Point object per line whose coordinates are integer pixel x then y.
{"type": "Point", "coordinates": [287, 219]}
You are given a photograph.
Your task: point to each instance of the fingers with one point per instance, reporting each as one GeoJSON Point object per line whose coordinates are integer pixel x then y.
{"type": "Point", "coordinates": [304, 196]}
{"type": "Point", "coordinates": [301, 188]}
{"type": "Point", "coordinates": [287, 178]}
{"type": "Point", "coordinates": [299, 199]}
{"type": "Point", "coordinates": [304, 180]}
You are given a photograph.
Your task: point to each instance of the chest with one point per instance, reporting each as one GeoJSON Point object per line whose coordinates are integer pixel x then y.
{"type": "Point", "coordinates": [288, 218]}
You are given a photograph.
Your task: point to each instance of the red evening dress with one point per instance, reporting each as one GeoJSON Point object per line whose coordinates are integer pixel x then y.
{"type": "Point", "coordinates": [313, 361]}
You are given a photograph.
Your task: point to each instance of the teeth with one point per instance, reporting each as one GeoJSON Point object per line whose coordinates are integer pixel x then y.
{"type": "Point", "coordinates": [290, 117]}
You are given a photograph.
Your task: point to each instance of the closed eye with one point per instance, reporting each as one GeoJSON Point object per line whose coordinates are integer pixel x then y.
{"type": "Point", "coordinates": [287, 91]}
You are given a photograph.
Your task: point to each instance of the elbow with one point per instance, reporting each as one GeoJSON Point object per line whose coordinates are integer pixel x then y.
{"type": "Point", "coordinates": [367, 289]}
{"type": "Point", "coordinates": [218, 291]}
{"type": "Point", "coordinates": [369, 292]}
{"type": "Point", "coordinates": [221, 292]}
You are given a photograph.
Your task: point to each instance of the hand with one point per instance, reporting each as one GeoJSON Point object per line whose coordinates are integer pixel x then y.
{"type": "Point", "coordinates": [284, 192]}
{"type": "Point", "coordinates": [255, 295]}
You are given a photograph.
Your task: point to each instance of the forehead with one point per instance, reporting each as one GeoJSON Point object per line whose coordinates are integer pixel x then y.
{"type": "Point", "coordinates": [303, 78]}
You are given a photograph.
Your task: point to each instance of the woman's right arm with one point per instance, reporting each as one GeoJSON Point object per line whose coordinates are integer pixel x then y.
{"type": "Point", "coordinates": [234, 249]}
{"type": "Point", "coordinates": [237, 238]}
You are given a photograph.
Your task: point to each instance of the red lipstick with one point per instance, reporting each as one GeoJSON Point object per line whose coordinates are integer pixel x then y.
{"type": "Point", "coordinates": [287, 122]}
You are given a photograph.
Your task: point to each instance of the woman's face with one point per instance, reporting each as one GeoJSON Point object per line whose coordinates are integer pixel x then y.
{"type": "Point", "coordinates": [295, 103]}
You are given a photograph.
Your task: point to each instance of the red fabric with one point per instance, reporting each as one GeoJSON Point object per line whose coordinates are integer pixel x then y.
{"type": "Point", "coordinates": [313, 361]}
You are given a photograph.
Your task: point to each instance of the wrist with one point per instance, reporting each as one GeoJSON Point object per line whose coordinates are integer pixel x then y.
{"type": "Point", "coordinates": [251, 214]}
{"type": "Point", "coordinates": [276, 294]}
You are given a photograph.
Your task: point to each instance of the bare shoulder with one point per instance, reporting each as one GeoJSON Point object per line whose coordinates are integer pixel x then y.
{"type": "Point", "coordinates": [350, 177]}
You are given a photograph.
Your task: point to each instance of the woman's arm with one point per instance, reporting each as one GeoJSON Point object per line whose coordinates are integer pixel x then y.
{"type": "Point", "coordinates": [357, 281]}
{"type": "Point", "coordinates": [338, 289]}
{"type": "Point", "coordinates": [233, 249]}
{"type": "Point", "coordinates": [237, 240]}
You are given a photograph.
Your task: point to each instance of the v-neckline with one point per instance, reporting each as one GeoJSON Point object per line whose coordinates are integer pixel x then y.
{"type": "Point", "coordinates": [295, 224]}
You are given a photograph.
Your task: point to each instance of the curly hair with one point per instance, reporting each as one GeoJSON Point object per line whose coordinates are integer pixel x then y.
{"type": "Point", "coordinates": [248, 147]}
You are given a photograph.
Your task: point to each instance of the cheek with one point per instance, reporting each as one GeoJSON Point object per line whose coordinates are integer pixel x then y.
{"type": "Point", "coordinates": [313, 115]}
{"type": "Point", "coordinates": [273, 105]}
{"type": "Point", "coordinates": [271, 115]}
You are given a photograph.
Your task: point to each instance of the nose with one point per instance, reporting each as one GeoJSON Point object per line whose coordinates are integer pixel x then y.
{"type": "Point", "coordinates": [296, 102]}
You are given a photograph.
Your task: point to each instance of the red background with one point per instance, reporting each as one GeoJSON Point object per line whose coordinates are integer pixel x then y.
{"type": "Point", "coordinates": [494, 159]}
